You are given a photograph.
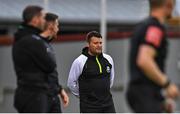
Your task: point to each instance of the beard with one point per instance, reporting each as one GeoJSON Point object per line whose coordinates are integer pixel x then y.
{"type": "Point", "coordinates": [98, 52]}
{"type": "Point", "coordinates": [95, 52]}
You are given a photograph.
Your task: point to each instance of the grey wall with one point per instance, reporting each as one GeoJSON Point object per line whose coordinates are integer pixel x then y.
{"type": "Point", "coordinates": [66, 52]}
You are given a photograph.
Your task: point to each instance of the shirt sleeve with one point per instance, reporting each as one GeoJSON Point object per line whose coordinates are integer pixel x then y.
{"type": "Point", "coordinates": [109, 58]}
{"type": "Point", "coordinates": [74, 74]}
{"type": "Point", "coordinates": [154, 36]}
{"type": "Point", "coordinates": [112, 73]}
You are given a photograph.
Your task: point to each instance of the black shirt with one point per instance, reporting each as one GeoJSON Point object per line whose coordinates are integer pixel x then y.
{"type": "Point", "coordinates": [94, 85]}
{"type": "Point", "coordinates": [150, 32]}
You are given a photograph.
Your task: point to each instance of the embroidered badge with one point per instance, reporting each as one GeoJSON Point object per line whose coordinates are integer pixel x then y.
{"type": "Point", "coordinates": [108, 69]}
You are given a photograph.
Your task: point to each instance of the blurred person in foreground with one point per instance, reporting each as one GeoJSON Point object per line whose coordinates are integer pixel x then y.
{"type": "Point", "coordinates": [38, 88]}
{"type": "Point", "coordinates": [91, 76]}
{"type": "Point", "coordinates": [149, 48]}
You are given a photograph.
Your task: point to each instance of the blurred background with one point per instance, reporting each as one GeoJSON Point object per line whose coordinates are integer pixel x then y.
{"type": "Point", "coordinates": [115, 19]}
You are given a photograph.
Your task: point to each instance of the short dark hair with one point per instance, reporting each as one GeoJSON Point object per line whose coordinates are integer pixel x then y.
{"type": "Point", "coordinates": [30, 11]}
{"type": "Point", "coordinates": [92, 34]}
{"type": "Point", "coordinates": [156, 3]}
{"type": "Point", "coordinates": [51, 17]}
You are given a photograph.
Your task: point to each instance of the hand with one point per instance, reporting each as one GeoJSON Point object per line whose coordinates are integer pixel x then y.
{"type": "Point", "coordinates": [172, 91]}
{"type": "Point", "coordinates": [169, 105]}
{"type": "Point", "coordinates": [64, 97]}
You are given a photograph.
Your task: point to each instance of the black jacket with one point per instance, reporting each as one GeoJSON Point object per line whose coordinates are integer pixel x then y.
{"type": "Point", "coordinates": [25, 30]}
{"type": "Point", "coordinates": [91, 77]}
{"type": "Point", "coordinates": [34, 61]}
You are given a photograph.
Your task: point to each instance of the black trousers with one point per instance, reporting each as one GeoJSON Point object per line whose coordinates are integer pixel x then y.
{"type": "Point", "coordinates": [36, 102]}
{"type": "Point", "coordinates": [144, 99]}
{"type": "Point", "coordinates": [86, 109]}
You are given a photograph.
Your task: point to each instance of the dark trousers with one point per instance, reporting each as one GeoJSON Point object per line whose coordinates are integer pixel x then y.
{"type": "Point", "coordinates": [36, 102]}
{"type": "Point", "coordinates": [144, 99]}
{"type": "Point", "coordinates": [86, 109]}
